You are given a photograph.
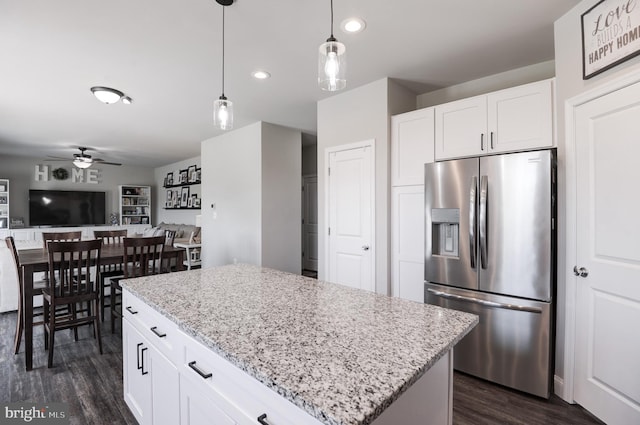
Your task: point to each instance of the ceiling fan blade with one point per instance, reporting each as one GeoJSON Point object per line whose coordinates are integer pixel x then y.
{"type": "Point", "coordinates": [56, 158]}
{"type": "Point", "coordinates": [102, 161]}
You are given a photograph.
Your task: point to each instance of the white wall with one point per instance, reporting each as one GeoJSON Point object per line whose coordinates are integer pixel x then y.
{"type": "Point", "coordinates": [352, 116]}
{"type": "Point", "coordinates": [569, 83]}
{"type": "Point", "coordinates": [231, 197]}
{"type": "Point", "coordinates": [21, 173]}
{"type": "Point", "coordinates": [174, 216]}
{"type": "Point", "coordinates": [281, 198]}
{"type": "Point", "coordinates": [512, 78]}
{"type": "Point", "coordinates": [252, 175]}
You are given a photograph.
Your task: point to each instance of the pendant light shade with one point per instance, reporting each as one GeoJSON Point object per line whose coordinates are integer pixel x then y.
{"type": "Point", "coordinates": [332, 63]}
{"type": "Point", "coordinates": [223, 113]}
{"type": "Point", "coordinates": [222, 107]}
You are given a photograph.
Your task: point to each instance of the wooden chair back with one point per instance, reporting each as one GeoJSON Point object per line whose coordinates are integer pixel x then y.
{"type": "Point", "coordinates": [73, 269]}
{"type": "Point", "coordinates": [60, 237]}
{"type": "Point", "coordinates": [110, 237]}
{"type": "Point", "coordinates": [169, 237]}
{"type": "Point", "coordinates": [144, 256]}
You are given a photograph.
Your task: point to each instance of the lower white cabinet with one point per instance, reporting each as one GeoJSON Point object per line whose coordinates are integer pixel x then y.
{"type": "Point", "coordinates": [151, 381]}
{"type": "Point", "coordinates": [407, 244]}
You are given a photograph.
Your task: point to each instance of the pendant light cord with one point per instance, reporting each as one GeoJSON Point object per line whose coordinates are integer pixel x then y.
{"type": "Point", "coordinates": [331, 18]}
{"type": "Point", "coordinates": [223, 50]}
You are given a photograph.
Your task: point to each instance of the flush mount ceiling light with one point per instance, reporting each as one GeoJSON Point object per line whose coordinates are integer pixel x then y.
{"type": "Point", "coordinates": [353, 25]}
{"type": "Point", "coordinates": [332, 63]}
{"type": "Point", "coordinates": [108, 95]}
{"type": "Point", "coordinates": [222, 107]}
{"type": "Point", "coordinates": [260, 75]}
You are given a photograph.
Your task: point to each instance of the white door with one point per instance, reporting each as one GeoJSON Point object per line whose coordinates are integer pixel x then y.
{"type": "Point", "coordinates": [310, 223]}
{"type": "Point", "coordinates": [607, 343]}
{"type": "Point", "coordinates": [350, 238]}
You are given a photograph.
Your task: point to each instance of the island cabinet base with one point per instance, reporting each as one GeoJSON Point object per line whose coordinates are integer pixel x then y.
{"type": "Point", "coordinates": [171, 378]}
{"type": "Point", "coordinates": [428, 401]}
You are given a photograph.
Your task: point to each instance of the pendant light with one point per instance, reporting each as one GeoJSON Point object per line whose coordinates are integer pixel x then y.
{"type": "Point", "coordinates": [222, 107]}
{"type": "Point", "coordinates": [332, 63]}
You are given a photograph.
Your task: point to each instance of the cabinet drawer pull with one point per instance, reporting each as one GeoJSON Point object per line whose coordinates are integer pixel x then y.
{"type": "Point", "coordinates": [205, 375]}
{"type": "Point", "coordinates": [132, 311]}
{"type": "Point", "coordinates": [155, 331]}
{"type": "Point", "coordinates": [492, 140]}
{"type": "Point", "coordinates": [142, 356]}
{"type": "Point", "coordinates": [262, 419]}
{"type": "Point", "coordinates": [138, 356]}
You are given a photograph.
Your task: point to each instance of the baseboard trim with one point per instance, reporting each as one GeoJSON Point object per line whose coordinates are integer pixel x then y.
{"type": "Point", "coordinates": [558, 389]}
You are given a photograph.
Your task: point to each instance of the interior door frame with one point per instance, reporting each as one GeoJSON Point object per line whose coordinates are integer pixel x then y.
{"type": "Point", "coordinates": [371, 143]}
{"type": "Point", "coordinates": [571, 281]}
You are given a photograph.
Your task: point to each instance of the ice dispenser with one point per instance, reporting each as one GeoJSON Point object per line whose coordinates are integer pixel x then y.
{"type": "Point", "coordinates": [445, 232]}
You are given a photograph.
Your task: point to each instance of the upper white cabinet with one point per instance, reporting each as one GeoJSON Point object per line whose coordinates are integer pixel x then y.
{"type": "Point", "coordinates": [514, 119]}
{"type": "Point", "coordinates": [412, 136]}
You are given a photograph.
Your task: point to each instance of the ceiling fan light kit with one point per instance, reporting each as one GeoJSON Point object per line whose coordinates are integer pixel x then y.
{"type": "Point", "coordinates": [108, 95]}
{"type": "Point", "coordinates": [223, 107]}
{"type": "Point", "coordinates": [83, 160]}
{"type": "Point", "coordinates": [332, 63]}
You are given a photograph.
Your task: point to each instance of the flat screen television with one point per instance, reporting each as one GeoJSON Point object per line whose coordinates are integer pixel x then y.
{"type": "Point", "coordinates": [66, 208]}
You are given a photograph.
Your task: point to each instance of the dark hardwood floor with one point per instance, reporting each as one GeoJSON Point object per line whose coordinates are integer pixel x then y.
{"type": "Point", "coordinates": [91, 385]}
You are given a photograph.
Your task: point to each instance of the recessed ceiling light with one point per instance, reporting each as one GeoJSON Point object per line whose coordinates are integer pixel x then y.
{"type": "Point", "coordinates": [353, 25]}
{"type": "Point", "coordinates": [260, 75]}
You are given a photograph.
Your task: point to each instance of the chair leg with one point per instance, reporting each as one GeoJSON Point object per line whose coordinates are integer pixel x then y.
{"type": "Point", "coordinates": [51, 334]}
{"type": "Point", "coordinates": [45, 306]}
{"type": "Point", "coordinates": [112, 299]}
{"type": "Point", "coordinates": [74, 314]}
{"type": "Point", "coordinates": [96, 329]}
{"type": "Point", "coordinates": [19, 329]}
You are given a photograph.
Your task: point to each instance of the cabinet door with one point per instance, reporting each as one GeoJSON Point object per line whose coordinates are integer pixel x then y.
{"type": "Point", "coordinates": [165, 397]}
{"type": "Point", "coordinates": [137, 386]}
{"type": "Point", "coordinates": [407, 256]}
{"type": "Point", "coordinates": [412, 145]}
{"type": "Point", "coordinates": [200, 406]}
{"type": "Point", "coordinates": [521, 118]}
{"type": "Point", "coordinates": [461, 128]}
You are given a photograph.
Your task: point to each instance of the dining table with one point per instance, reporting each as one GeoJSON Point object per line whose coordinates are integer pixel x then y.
{"type": "Point", "coordinates": [34, 261]}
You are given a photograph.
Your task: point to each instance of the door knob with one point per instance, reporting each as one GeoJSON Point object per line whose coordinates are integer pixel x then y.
{"type": "Point", "coordinates": [365, 247]}
{"type": "Point", "coordinates": [582, 272]}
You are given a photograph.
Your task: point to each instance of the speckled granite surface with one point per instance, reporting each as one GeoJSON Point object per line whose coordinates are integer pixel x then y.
{"type": "Point", "coordinates": [341, 354]}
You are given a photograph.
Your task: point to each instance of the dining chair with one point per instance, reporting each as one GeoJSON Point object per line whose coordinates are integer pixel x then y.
{"type": "Point", "coordinates": [169, 263]}
{"type": "Point", "coordinates": [59, 237]}
{"type": "Point", "coordinates": [143, 257]}
{"type": "Point", "coordinates": [74, 268]}
{"type": "Point", "coordinates": [38, 286]}
{"type": "Point", "coordinates": [108, 271]}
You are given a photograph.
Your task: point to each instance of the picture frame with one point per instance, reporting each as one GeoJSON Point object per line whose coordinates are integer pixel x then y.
{"type": "Point", "coordinates": [190, 202]}
{"type": "Point", "coordinates": [191, 173]}
{"type": "Point", "coordinates": [169, 179]}
{"type": "Point", "coordinates": [184, 176]}
{"type": "Point", "coordinates": [169, 201]}
{"type": "Point", "coordinates": [196, 203]}
{"type": "Point", "coordinates": [3, 187]}
{"type": "Point", "coordinates": [608, 36]}
{"type": "Point", "coordinates": [184, 197]}
{"type": "Point", "coordinates": [198, 178]}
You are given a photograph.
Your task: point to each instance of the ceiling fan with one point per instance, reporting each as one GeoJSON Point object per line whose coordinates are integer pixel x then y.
{"type": "Point", "coordinates": [83, 160]}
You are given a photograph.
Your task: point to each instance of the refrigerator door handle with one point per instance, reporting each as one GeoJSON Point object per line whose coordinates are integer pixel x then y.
{"type": "Point", "coordinates": [484, 302]}
{"type": "Point", "coordinates": [482, 225]}
{"type": "Point", "coordinates": [472, 222]}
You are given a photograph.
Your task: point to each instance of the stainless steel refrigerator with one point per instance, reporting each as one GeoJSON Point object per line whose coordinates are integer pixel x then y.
{"type": "Point", "coordinates": [490, 250]}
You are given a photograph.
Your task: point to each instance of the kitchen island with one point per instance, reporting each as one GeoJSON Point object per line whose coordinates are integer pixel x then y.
{"type": "Point", "coordinates": [245, 344]}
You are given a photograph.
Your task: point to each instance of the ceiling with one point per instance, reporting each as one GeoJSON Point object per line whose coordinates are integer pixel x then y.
{"type": "Point", "coordinates": [166, 55]}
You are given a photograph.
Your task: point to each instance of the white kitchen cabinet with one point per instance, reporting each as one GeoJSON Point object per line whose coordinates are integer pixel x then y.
{"type": "Point", "coordinates": [407, 252]}
{"type": "Point", "coordinates": [461, 128]}
{"type": "Point", "coordinates": [412, 136]}
{"type": "Point", "coordinates": [514, 119]}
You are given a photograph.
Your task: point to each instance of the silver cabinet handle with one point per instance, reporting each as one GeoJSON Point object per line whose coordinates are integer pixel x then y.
{"type": "Point", "coordinates": [472, 221]}
{"type": "Point", "coordinates": [582, 272]}
{"type": "Point", "coordinates": [365, 247]}
{"type": "Point", "coordinates": [492, 140]}
{"type": "Point", "coordinates": [484, 302]}
{"type": "Point", "coordinates": [481, 141]}
{"type": "Point", "coordinates": [483, 220]}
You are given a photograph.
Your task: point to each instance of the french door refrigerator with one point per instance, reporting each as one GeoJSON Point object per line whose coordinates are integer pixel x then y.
{"type": "Point", "coordinates": [490, 250]}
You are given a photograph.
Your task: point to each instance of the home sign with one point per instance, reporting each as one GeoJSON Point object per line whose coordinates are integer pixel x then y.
{"type": "Point", "coordinates": [43, 173]}
{"type": "Point", "coordinates": [610, 35]}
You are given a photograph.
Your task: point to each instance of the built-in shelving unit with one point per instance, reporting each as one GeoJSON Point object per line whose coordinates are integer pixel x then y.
{"type": "Point", "coordinates": [179, 195]}
{"type": "Point", "coordinates": [135, 204]}
{"type": "Point", "coordinates": [4, 204]}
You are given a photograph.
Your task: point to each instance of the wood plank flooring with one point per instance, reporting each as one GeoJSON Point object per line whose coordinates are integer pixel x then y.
{"type": "Point", "coordinates": [91, 385]}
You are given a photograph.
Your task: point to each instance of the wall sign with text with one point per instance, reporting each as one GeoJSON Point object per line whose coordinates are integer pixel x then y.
{"type": "Point", "coordinates": [610, 35]}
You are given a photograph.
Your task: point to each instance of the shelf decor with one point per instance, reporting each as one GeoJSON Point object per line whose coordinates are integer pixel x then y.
{"type": "Point", "coordinates": [609, 36]}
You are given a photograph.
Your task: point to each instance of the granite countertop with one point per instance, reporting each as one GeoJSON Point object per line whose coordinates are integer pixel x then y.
{"type": "Point", "coordinates": [343, 355]}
